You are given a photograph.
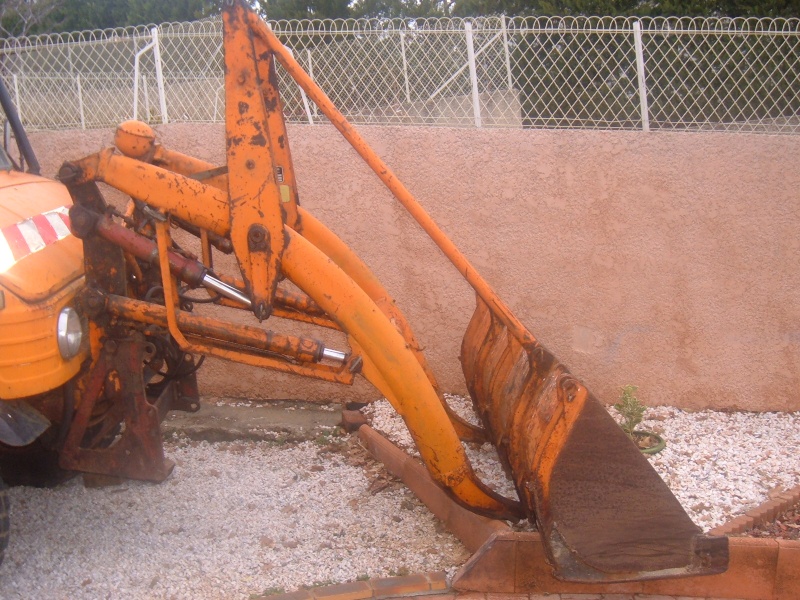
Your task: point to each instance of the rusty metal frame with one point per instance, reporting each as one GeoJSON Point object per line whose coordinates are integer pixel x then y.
{"type": "Point", "coordinates": [542, 419]}
{"type": "Point", "coordinates": [116, 375]}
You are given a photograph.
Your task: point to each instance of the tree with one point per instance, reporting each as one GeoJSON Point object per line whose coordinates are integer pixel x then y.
{"type": "Point", "coordinates": [465, 8]}
{"type": "Point", "coordinates": [24, 17]}
{"type": "Point", "coordinates": [21, 17]}
{"type": "Point", "coordinates": [80, 15]}
{"type": "Point", "coordinates": [402, 8]}
{"type": "Point", "coordinates": [141, 12]}
{"type": "Point", "coordinates": [304, 9]}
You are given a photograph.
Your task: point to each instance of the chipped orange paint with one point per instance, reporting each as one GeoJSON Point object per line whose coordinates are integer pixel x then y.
{"type": "Point", "coordinates": [533, 409]}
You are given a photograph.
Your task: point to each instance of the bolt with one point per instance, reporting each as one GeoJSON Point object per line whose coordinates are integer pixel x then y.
{"type": "Point", "coordinates": [262, 311]}
{"type": "Point", "coordinates": [79, 219]}
{"type": "Point", "coordinates": [94, 302]}
{"type": "Point", "coordinates": [256, 235]}
{"type": "Point", "coordinates": [250, 164]}
{"type": "Point", "coordinates": [82, 221]}
{"type": "Point", "coordinates": [68, 173]}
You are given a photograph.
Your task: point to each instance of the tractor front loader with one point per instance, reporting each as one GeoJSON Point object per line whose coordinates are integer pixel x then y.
{"type": "Point", "coordinates": [603, 512]}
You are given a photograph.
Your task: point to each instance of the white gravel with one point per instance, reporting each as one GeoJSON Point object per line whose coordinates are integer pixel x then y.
{"type": "Point", "coordinates": [718, 464]}
{"type": "Point", "coordinates": [233, 520]}
{"type": "Point", "coordinates": [721, 464]}
{"type": "Point", "coordinates": [245, 518]}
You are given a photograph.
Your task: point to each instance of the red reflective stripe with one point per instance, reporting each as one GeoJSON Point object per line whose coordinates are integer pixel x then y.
{"type": "Point", "coordinates": [65, 218]}
{"type": "Point", "coordinates": [46, 230]}
{"type": "Point", "coordinates": [19, 247]}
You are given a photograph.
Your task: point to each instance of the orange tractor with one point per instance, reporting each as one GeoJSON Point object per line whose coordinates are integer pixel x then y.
{"type": "Point", "coordinates": [41, 328]}
{"type": "Point", "coordinates": [576, 473]}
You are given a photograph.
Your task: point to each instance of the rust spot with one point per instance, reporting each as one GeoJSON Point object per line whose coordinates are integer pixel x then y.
{"type": "Point", "coordinates": [234, 141]}
{"type": "Point", "coordinates": [273, 77]}
{"type": "Point", "coordinates": [243, 107]}
{"type": "Point", "coordinates": [258, 140]}
{"type": "Point", "coordinates": [160, 175]}
{"type": "Point", "coordinates": [264, 55]}
{"type": "Point", "coordinates": [271, 104]}
{"type": "Point", "coordinates": [281, 141]}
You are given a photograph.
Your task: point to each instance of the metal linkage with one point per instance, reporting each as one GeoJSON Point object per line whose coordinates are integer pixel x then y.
{"type": "Point", "coordinates": [86, 222]}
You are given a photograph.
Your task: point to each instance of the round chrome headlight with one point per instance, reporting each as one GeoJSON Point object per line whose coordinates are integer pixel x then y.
{"type": "Point", "coordinates": [69, 333]}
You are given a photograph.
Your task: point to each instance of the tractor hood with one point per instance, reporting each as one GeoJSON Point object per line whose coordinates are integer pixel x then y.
{"type": "Point", "coordinates": [38, 254]}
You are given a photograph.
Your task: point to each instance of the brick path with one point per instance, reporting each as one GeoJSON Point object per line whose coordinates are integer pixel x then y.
{"type": "Point", "coordinates": [433, 586]}
{"type": "Point", "coordinates": [476, 596]}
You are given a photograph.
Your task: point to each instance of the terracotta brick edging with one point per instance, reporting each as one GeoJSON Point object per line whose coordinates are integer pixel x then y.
{"type": "Point", "coordinates": [422, 584]}
{"type": "Point", "coordinates": [760, 515]}
{"type": "Point", "coordinates": [507, 562]}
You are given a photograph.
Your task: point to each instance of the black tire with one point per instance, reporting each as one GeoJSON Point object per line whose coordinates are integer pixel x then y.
{"type": "Point", "coordinates": [4, 520]}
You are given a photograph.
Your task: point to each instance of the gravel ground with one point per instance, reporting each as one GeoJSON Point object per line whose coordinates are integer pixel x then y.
{"type": "Point", "coordinates": [243, 518]}
{"type": "Point", "coordinates": [718, 464]}
{"type": "Point", "coordinates": [234, 519]}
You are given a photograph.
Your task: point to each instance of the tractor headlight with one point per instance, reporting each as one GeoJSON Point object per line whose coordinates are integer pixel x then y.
{"type": "Point", "coordinates": [69, 333]}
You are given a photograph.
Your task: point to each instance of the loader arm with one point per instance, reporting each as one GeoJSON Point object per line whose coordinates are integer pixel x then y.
{"type": "Point", "coordinates": [604, 513]}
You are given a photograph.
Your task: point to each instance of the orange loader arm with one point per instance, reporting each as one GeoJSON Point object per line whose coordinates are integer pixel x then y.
{"type": "Point", "coordinates": [603, 512]}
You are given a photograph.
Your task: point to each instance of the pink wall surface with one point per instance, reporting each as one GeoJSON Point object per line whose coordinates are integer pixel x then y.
{"type": "Point", "coordinates": [664, 260]}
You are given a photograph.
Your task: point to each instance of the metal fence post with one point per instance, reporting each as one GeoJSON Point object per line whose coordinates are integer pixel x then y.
{"type": "Point", "coordinates": [146, 99]}
{"type": "Point", "coordinates": [311, 74]}
{"type": "Point", "coordinates": [637, 44]}
{"type": "Point", "coordinates": [507, 53]}
{"type": "Point", "coordinates": [306, 104]}
{"type": "Point", "coordinates": [136, 75]}
{"type": "Point", "coordinates": [473, 75]}
{"type": "Point", "coordinates": [16, 96]}
{"type": "Point", "coordinates": [405, 64]}
{"type": "Point", "coordinates": [80, 101]}
{"type": "Point", "coordinates": [159, 75]}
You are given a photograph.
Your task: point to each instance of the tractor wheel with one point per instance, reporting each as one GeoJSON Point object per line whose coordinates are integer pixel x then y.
{"type": "Point", "coordinates": [4, 522]}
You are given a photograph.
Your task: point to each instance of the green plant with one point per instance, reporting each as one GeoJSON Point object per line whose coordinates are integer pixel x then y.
{"type": "Point", "coordinates": [631, 410]}
{"type": "Point", "coordinates": [272, 591]}
{"type": "Point", "coordinates": [328, 437]}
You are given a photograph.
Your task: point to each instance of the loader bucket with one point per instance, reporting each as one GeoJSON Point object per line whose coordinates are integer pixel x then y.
{"type": "Point", "coordinates": [603, 511]}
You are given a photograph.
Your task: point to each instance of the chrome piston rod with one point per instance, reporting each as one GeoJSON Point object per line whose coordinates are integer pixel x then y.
{"type": "Point", "coordinates": [232, 293]}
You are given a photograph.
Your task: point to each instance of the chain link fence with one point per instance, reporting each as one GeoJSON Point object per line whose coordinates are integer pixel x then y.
{"type": "Point", "coordinates": [523, 72]}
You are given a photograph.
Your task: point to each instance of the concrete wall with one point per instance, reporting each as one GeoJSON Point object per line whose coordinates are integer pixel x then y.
{"type": "Point", "coordinates": [669, 261]}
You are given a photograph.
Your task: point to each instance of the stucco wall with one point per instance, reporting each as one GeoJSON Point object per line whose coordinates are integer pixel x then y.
{"type": "Point", "coordinates": [665, 260]}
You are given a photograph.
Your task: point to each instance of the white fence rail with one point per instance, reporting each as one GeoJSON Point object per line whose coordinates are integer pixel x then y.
{"type": "Point", "coordinates": [565, 72]}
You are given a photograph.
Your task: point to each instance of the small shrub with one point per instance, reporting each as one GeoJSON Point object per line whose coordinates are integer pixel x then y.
{"type": "Point", "coordinates": [631, 410]}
